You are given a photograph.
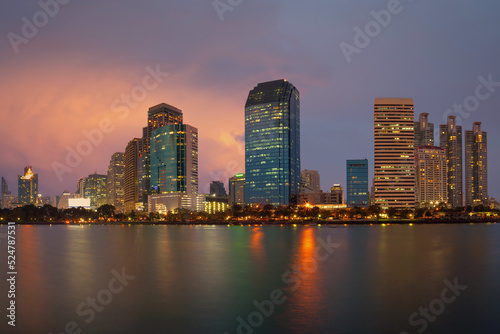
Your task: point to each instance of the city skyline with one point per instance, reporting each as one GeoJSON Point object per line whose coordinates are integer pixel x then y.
{"type": "Point", "coordinates": [336, 96]}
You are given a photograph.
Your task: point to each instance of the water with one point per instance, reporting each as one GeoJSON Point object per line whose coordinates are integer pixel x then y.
{"type": "Point", "coordinates": [184, 279]}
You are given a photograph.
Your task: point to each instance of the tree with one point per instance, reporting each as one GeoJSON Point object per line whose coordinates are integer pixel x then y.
{"type": "Point", "coordinates": [391, 212]}
{"type": "Point", "coordinates": [106, 211]}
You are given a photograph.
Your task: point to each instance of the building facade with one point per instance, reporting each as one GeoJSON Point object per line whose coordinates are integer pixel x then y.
{"type": "Point", "coordinates": [132, 160]}
{"type": "Point", "coordinates": [394, 153]}
{"type": "Point", "coordinates": [27, 187]}
{"type": "Point", "coordinates": [309, 181]}
{"type": "Point", "coordinates": [431, 176]}
{"type": "Point", "coordinates": [237, 189]}
{"type": "Point", "coordinates": [95, 190]}
{"type": "Point", "coordinates": [424, 131]}
{"type": "Point", "coordinates": [357, 193]}
{"type": "Point", "coordinates": [217, 189]}
{"type": "Point", "coordinates": [80, 188]}
{"type": "Point", "coordinates": [115, 187]}
{"type": "Point", "coordinates": [272, 144]}
{"type": "Point", "coordinates": [451, 140]}
{"type": "Point", "coordinates": [476, 166]}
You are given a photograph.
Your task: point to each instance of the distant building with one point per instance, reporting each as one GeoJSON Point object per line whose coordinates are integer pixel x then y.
{"type": "Point", "coordinates": [163, 203]}
{"type": "Point", "coordinates": [424, 131]}
{"type": "Point", "coordinates": [451, 141]}
{"type": "Point", "coordinates": [357, 183]}
{"type": "Point", "coordinates": [476, 166]}
{"type": "Point", "coordinates": [237, 189]}
{"type": "Point", "coordinates": [63, 202]}
{"type": "Point", "coordinates": [7, 197]}
{"type": "Point", "coordinates": [394, 153]}
{"type": "Point", "coordinates": [95, 190]}
{"type": "Point", "coordinates": [217, 189]}
{"type": "Point", "coordinates": [336, 196]}
{"type": "Point", "coordinates": [79, 202]}
{"type": "Point", "coordinates": [309, 181]}
{"type": "Point", "coordinates": [80, 188]}
{"type": "Point", "coordinates": [214, 204]}
{"type": "Point", "coordinates": [27, 187]}
{"type": "Point", "coordinates": [431, 176]}
{"type": "Point", "coordinates": [116, 182]}
{"type": "Point", "coordinates": [132, 160]}
{"type": "Point", "coordinates": [54, 201]}
{"type": "Point", "coordinates": [272, 143]}
{"type": "Point", "coordinates": [174, 159]}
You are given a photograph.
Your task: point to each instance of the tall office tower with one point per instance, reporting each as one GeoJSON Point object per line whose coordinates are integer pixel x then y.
{"type": "Point", "coordinates": [394, 153]}
{"type": "Point", "coordinates": [272, 144]}
{"type": "Point", "coordinates": [451, 140]}
{"type": "Point", "coordinates": [63, 202]}
{"type": "Point", "coordinates": [116, 182]}
{"type": "Point", "coordinates": [424, 131]}
{"type": "Point", "coordinates": [80, 188]}
{"type": "Point", "coordinates": [431, 176]}
{"type": "Point", "coordinates": [217, 188]}
{"type": "Point", "coordinates": [237, 189]}
{"type": "Point", "coordinates": [27, 187]}
{"type": "Point", "coordinates": [309, 181]}
{"type": "Point", "coordinates": [5, 188]}
{"type": "Point", "coordinates": [174, 159]}
{"type": "Point", "coordinates": [131, 175]}
{"type": "Point", "coordinates": [7, 197]}
{"type": "Point", "coordinates": [337, 193]}
{"type": "Point", "coordinates": [158, 116]}
{"type": "Point", "coordinates": [357, 183]}
{"type": "Point", "coordinates": [95, 190]}
{"type": "Point", "coordinates": [476, 166]}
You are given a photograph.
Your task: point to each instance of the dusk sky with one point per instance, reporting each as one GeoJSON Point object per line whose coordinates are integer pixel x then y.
{"type": "Point", "coordinates": [71, 74]}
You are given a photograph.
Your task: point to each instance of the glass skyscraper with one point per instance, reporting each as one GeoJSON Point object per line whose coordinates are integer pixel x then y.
{"type": "Point", "coordinates": [272, 143]}
{"type": "Point", "coordinates": [27, 187]}
{"type": "Point", "coordinates": [357, 183]}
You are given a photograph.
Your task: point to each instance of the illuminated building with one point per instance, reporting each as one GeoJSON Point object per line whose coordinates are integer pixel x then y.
{"type": "Point", "coordinates": [78, 202]}
{"type": "Point", "coordinates": [431, 176]}
{"type": "Point", "coordinates": [335, 196]}
{"type": "Point", "coordinates": [451, 141]}
{"type": "Point", "coordinates": [309, 181]}
{"type": "Point", "coordinates": [237, 189]}
{"type": "Point", "coordinates": [394, 153]}
{"type": "Point", "coordinates": [174, 159]}
{"type": "Point", "coordinates": [116, 182]}
{"type": "Point", "coordinates": [272, 144]}
{"type": "Point", "coordinates": [424, 131]}
{"type": "Point", "coordinates": [95, 190]}
{"type": "Point", "coordinates": [27, 187]}
{"type": "Point", "coordinates": [217, 188]}
{"type": "Point", "coordinates": [80, 188]}
{"type": "Point", "coordinates": [357, 183]}
{"type": "Point", "coordinates": [214, 204]}
{"type": "Point", "coordinates": [476, 166]}
{"type": "Point", "coordinates": [163, 203]}
{"type": "Point", "coordinates": [132, 160]}
{"type": "Point", "coordinates": [63, 202]}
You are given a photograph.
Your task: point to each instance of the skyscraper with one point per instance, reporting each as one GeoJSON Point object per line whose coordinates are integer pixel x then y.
{"type": "Point", "coordinates": [272, 143]}
{"type": "Point", "coordinates": [394, 153]}
{"type": "Point", "coordinates": [217, 189]}
{"type": "Point", "coordinates": [309, 181]}
{"type": "Point", "coordinates": [431, 176]}
{"type": "Point", "coordinates": [116, 182]}
{"type": "Point", "coordinates": [7, 197]}
{"type": "Point", "coordinates": [357, 183]}
{"type": "Point", "coordinates": [174, 159]}
{"type": "Point", "coordinates": [476, 166]}
{"type": "Point", "coordinates": [132, 160]}
{"type": "Point", "coordinates": [451, 140]}
{"type": "Point", "coordinates": [424, 131]}
{"type": "Point", "coordinates": [237, 189]}
{"type": "Point", "coordinates": [80, 188]}
{"type": "Point", "coordinates": [27, 187]}
{"type": "Point", "coordinates": [95, 190]}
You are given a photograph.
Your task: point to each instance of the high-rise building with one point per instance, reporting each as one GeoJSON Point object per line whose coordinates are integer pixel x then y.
{"type": "Point", "coordinates": [357, 183]}
{"type": "Point", "coordinates": [431, 176]}
{"type": "Point", "coordinates": [451, 140]}
{"type": "Point", "coordinates": [80, 188]}
{"type": "Point", "coordinates": [272, 144]}
{"type": "Point", "coordinates": [237, 189]}
{"type": "Point", "coordinates": [394, 153]}
{"type": "Point", "coordinates": [63, 202]}
{"type": "Point", "coordinates": [95, 190]}
{"type": "Point", "coordinates": [217, 189]}
{"type": "Point", "coordinates": [174, 159]}
{"type": "Point", "coordinates": [116, 182]}
{"type": "Point", "coordinates": [132, 160]}
{"type": "Point", "coordinates": [476, 166]}
{"type": "Point", "coordinates": [27, 187]}
{"type": "Point", "coordinates": [7, 197]}
{"type": "Point", "coordinates": [158, 116]}
{"type": "Point", "coordinates": [309, 181]}
{"type": "Point", "coordinates": [424, 131]}
{"type": "Point", "coordinates": [337, 194]}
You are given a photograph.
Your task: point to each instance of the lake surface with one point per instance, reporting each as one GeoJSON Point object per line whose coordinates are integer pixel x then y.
{"type": "Point", "coordinates": [193, 279]}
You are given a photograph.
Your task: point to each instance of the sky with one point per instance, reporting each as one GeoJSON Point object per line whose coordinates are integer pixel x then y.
{"type": "Point", "coordinates": [80, 69]}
